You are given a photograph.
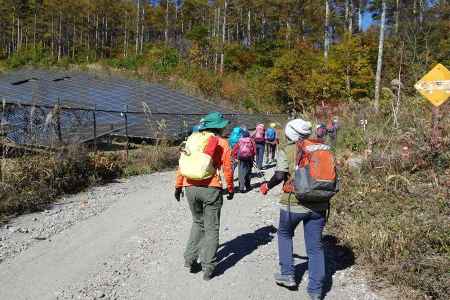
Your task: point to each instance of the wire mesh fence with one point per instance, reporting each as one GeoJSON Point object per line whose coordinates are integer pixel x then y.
{"type": "Point", "coordinates": [52, 126]}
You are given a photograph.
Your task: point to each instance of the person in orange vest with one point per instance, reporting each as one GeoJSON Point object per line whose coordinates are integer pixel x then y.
{"type": "Point", "coordinates": [205, 200]}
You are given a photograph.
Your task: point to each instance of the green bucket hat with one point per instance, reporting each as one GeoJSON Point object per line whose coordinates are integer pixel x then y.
{"type": "Point", "coordinates": [214, 120]}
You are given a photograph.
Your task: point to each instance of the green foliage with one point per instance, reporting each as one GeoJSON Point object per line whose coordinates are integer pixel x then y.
{"type": "Point", "coordinates": [238, 58]}
{"type": "Point", "coordinates": [162, 60]}
{"type": "Point", "coordinates": [29, 56]}
{"type": "Point", "coordinates": [353, 138]}
{"type": "Point", "coordinates": [199, 34]}
{"type": "Point", "coordinates": [352, 66]}
{"type": "Point", "coordinates": [126, 63]}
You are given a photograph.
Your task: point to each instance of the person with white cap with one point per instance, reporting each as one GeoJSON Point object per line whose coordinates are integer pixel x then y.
{"type": "Point", "coordinates": [293, 211]}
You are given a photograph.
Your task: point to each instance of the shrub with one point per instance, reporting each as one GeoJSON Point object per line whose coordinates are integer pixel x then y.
{"type": "Point", "coordinates": [162, 60]}
{"type": "Point", "coordinates": [394, 212]}
{"type": "Point", "coordinates": [33, 182]}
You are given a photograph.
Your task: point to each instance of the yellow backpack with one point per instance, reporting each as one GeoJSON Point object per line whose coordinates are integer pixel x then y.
{"type": "Point", "coordinates": [193, 163]}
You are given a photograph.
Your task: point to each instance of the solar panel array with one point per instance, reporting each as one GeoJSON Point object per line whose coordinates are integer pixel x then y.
{"type": "Point", "coordinates": [56, 107]}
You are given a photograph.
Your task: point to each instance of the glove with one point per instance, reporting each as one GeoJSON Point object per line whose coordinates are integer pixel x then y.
{"type": "Point", "coordinates": [230, 196]}
{"type": "Point", "coordinates": [178, 193]}
{"type": "Point", "coordinates": [264, 188]}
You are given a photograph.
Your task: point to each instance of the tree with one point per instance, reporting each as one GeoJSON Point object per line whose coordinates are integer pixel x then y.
{"type": "Point", "coordinates": [380, 56]}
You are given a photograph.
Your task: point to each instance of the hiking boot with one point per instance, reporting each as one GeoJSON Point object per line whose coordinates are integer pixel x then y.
{"type": "Point", "coordinates": [194, 267]}
{"type": "Point", "coordinates": [285, 280]}
{"type": "Point", "coordinates": [208, 275]}
{"type": "Point", "coordinates": [315, 296]}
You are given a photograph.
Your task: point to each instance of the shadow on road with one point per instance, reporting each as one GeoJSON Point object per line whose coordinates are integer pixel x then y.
{"type": "Point", "coordinates": [233, 251]}
{"type": "Point", "coordinates": [337, 258]}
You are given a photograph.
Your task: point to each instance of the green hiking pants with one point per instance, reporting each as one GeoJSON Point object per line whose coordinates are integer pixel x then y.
{"type": "Point", "coordinates": [205, 204]}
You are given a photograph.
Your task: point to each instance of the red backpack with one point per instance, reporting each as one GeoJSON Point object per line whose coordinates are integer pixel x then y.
{"type": "Point", "coordinates": [246, 148]}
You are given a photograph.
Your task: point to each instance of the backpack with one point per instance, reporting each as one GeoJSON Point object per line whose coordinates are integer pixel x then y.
{"type": "Point", "coordinates": [235, 135]}
{"type": "Point", "coordinates": [271, 134]}
{"type": "Point", "coordinates": [259, 133]}
{"type": "Point", "coordinates": [246, 148]}
{"type": "Point", "coordinates": [194, 163]}
{"type": "Point", "coordinates": [315, 175]}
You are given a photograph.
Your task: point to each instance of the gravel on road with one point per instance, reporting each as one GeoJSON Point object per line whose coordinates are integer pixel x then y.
{"type": "Point", "coordinates": [125, 241]}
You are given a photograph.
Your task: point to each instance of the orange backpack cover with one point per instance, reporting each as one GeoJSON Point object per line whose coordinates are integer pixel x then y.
{"type": "Point", "coordinates": [315, 175]}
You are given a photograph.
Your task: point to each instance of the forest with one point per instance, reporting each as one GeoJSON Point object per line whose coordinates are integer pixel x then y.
{"type": "Point", "coordinates": [261, 55]}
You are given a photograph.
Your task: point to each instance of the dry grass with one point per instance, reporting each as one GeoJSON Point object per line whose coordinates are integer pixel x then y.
{"type": "Point", "coordinates": [394, 212]}
{"type": "Point", "coordinates": [151, 158]}
{"type": "Point", "coordinates": [32, 182]}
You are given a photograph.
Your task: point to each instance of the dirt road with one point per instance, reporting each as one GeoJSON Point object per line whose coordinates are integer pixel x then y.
{"type": "Point", "coordinates": [125, 241]}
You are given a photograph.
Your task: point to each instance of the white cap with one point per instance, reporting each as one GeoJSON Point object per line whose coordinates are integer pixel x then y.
{"type": "Point", "coordinates": [297, 129]}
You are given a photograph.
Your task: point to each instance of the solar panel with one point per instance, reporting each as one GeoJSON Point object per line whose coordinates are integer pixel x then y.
{"type": "Point", "coordinates": [79, 96]}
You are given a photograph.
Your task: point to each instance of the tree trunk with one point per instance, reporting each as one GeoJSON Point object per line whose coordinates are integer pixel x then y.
{"type": "Point", "coordinates": [380, 57]}
{"type": "Point", "coordinates": [53, 34]}
{"type": "Point", "coordinates": [102, 37]}
{"type": "Point", "coordinates": [420, 12]}
{"type": "Point", "coordinates": [327, 29]}
{"type": "Point", "coordinates": [138, 15]}
{"type": "Point", "coordinates": [142, 29]}
{"type": "Point", "coordinates": [350, 18]}
{"type": "Point", "coordinates": [106, 32]}
{"type": "Point", "coordinates": [96, 35]}
{"type": "Point", "coordinates": [34, 30]}
{"type": "Point", "coordinates": [12, 32]}
{"type": "Point", "coordinates": [397, 15]}
{"type": "Point", "coordinates": [125, 34]}
{"type": "Point", "coordinates": [73, 38]}
{"type": "Point", "coordinates": [60, 36]}
{"type": "Point", "coordinates": [166, 30]}
{"type": "Point", "coordinates": [19, 38]}
{"type": "Point", "coordinates": [249, 31]}
{"type": "Point", "coordinates": [360, 16]}
{"type": "Point", "coordinates": [346, 15]}
{"type": "Point", "coordinates": [224, 29]}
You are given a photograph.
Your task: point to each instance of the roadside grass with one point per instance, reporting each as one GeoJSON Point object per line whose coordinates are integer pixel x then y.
{"type": "Point", "coordinates": [394, 210]}
{"type": "Point", "coordinates": [151, 158]}
{"type": "Point", "coordinates": [32, 182]}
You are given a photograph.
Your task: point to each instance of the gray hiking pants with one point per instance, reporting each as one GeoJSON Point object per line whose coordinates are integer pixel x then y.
{"type": "Point", "coordinates": [205, 204]}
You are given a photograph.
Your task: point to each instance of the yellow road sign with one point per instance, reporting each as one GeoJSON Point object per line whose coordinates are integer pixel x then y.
{"type": "Point", "coordinates": [435, 85]}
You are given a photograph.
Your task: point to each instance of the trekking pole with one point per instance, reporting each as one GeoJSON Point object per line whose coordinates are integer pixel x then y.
{"type": "Point", "coordinates": [259, 171]}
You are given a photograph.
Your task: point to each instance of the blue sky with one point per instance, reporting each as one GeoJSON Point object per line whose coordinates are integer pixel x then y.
{"type": "Point", "coordinates": [367, 20]}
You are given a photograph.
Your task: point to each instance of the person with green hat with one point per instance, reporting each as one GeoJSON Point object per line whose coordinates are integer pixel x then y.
{"type": "Point", "coordinates": [205, 199]}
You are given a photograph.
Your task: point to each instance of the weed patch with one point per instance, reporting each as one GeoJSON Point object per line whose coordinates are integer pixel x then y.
{"type": "Point", "coordinates": [394, 211]}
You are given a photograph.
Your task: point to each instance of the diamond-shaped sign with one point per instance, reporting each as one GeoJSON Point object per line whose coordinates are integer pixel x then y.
{"type": "Point", "coordinates": [435, 85]}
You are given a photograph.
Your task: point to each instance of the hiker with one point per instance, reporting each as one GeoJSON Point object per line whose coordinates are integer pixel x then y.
{"type": "Point", "coordinates": [235, 135]}
{"type": "Point", "coordinates": [260, 140]}
{"type": "Point", "coordinates": [244, 151]}
{"type": "Point", "coordinates": [204, 154]}
{"type": "Point", "coordinates": [271, 142]}
{"type": "Point", "coordinates": [321, 132]}
{"type": "Point", "coordinates": [299, 204]}
{"type": "Point", "coordinates": [332, 129]}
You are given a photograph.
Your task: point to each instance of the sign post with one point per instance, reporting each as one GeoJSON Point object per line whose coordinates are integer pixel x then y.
{"type": "Point", "coordinates": [435, 87]}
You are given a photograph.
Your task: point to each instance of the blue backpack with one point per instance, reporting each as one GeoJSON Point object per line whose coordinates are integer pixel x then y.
{"type": "Point", "coordinates": [271, 134]}
{"type": "Point", "coordinates": [235, 135]}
